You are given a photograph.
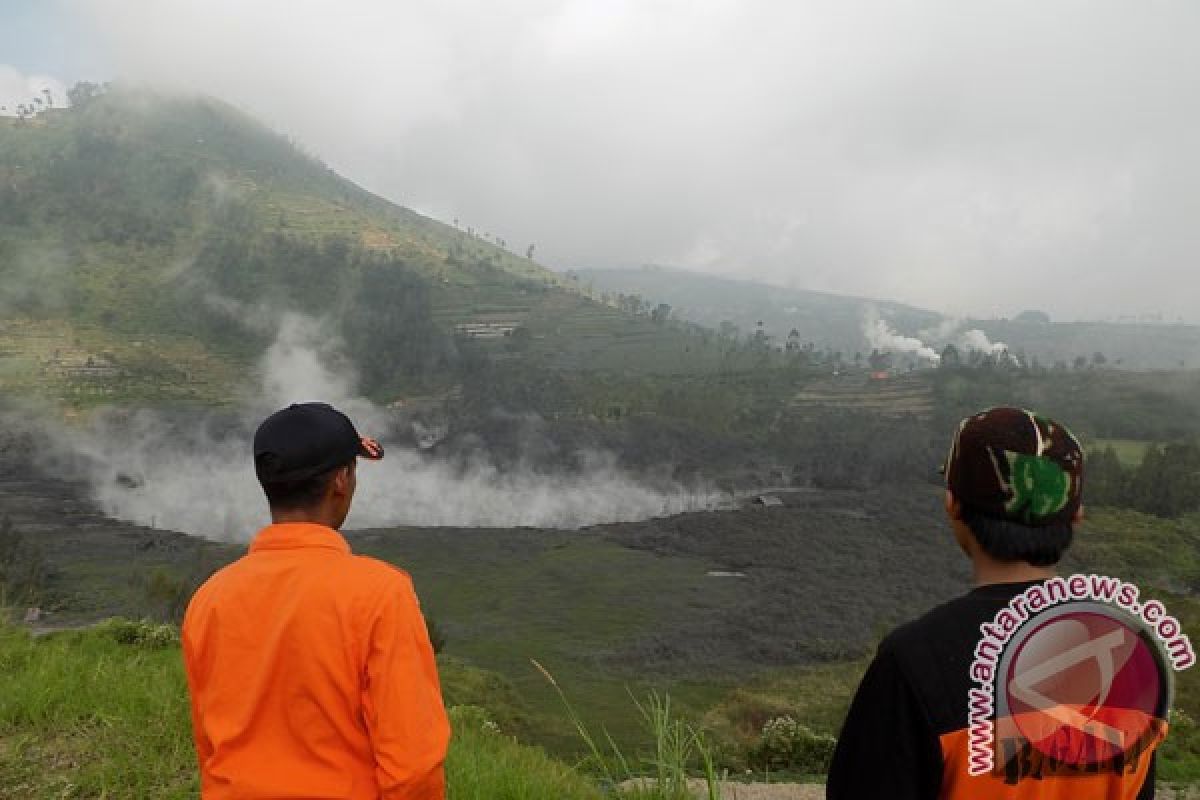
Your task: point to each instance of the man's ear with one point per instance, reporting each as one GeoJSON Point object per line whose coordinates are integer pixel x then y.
{"type": "Point", "coordinates": [1079, 515]}
{"type": "Point", "coordinates": [953, 507]}
{"type": "Point", "coordinates": [962, 534]}
{"type": "Point", "coordinates": [340, 486]}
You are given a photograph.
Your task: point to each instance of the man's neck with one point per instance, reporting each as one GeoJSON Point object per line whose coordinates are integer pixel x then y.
{"type": "Point", "coordinates": [989, 571]}
{"type": "Point", "coordinates": [304, 517]}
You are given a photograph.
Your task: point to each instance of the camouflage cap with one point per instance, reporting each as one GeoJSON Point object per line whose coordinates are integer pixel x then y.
{"type": "Point", "coordinates": [1013, 464]}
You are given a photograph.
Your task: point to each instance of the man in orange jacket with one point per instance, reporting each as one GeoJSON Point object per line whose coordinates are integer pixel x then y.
{"type": "Point", "coordinates": [310, 669]}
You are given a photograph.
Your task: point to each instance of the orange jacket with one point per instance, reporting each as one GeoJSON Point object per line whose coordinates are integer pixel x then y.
{"type": "Point", "coordinates": [311, 675]}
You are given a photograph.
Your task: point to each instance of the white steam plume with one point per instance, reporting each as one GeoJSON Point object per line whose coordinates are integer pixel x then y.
{"type": "Point", "coordinates": [199, 479]}
{"type": "Point", "coordinates": [882, 337]}
{"type": "Point", "coordinates": [976, 339]}
{"type": "Point", "coordinates": [952, 330]}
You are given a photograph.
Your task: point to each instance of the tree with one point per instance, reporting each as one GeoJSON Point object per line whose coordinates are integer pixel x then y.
{"type": "Point", "coordinates": [1107, 479]}
{"type": "Point", "coordinates": [661, 313]}
{"type": "Point", "coordinates": [761, 341]}
{"type": "Point", "coordinates": [520, 339]}
{"type": "Point", "coordinates": [1099, 359]}
{"type": "Point", "coordinates": [529, 252]}
{"type": "Point", "coordinates": [1081, 362]}
{"type": "Point", "coordinates": [392, 332]}
{"type": "Point", "coordinates": [951, 358]}
{"type": "Point", "coordinates": [83, 93]}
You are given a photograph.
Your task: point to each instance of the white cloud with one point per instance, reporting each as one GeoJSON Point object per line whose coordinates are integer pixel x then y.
{"type": "Point", "coordinates": [17, 88]}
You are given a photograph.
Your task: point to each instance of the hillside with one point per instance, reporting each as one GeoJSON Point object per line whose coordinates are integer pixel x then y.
{"type": "Point", "coordinates": [149, 243]}
{"type": "Point", "coordinates": [827, 320]}
{"type": "Point", "coordinates": [836, 322]}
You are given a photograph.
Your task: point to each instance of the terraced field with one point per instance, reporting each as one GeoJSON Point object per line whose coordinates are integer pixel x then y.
{"type": "Point", "coordinates": [86, 365]}
{"type": "Point", "coordinates": [907, 395]}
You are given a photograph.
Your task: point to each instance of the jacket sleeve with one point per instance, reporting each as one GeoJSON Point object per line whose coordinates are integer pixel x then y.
{"type": "Point", "coordinates": [204, 748]}
{"type": "Point", "coordinates": [402, 700]}
{"type": "Point", "coordinates": [887, 747]}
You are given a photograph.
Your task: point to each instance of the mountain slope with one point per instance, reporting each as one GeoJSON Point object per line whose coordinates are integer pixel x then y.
{"type": "Point", "coordinates": [148, 242]}
{"type": "Point", "coordinates": [837, 321]}
{"type": "Point", "coordinates": [827, 320]}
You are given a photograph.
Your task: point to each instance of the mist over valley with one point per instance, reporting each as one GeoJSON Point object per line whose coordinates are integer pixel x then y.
{"type": "Point", "coordinates": [720, 480]}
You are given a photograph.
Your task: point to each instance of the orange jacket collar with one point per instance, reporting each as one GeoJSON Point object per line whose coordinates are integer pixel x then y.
{"type": "Point", "coordinates": [291, 535]}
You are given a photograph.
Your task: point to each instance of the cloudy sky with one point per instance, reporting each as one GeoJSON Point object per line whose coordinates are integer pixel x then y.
{"type": "Point", "coordinates": [975, 157]}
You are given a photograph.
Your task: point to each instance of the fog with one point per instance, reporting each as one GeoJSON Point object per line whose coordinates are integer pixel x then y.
{"type": "Point", "coordinates": [975, 159]}
{"type": "Point", "coordinates": [195, 474]}
{"type": "Point", "coordinates": [18, 88]}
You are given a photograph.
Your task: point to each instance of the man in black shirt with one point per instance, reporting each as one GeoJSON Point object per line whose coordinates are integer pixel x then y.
{"type": "Point", "coordinates": [913, 732]}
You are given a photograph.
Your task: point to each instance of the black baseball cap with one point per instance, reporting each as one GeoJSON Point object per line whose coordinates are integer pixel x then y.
{"type": "Point", "coordinates": [305, 440]}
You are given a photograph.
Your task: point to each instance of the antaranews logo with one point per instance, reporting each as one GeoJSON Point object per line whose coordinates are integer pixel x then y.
{"type": "Point", "coordinates": [1074, 674]}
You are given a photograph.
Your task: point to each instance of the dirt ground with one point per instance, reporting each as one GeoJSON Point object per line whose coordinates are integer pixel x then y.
{"type": "Point", "coordinates": [769, 791]}
{"type": "Point", "coordinates": [762, 791]}
{"type": "Point", "coordinates": [816, 791]}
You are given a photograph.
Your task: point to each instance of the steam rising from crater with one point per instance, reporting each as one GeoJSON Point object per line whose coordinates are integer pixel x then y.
{"type": "Point", "coordinates": [950, 331]}
{"type": "Point", "coordinates": [198, 477]}
{"type": "Point", "coordinates": [882, 337]}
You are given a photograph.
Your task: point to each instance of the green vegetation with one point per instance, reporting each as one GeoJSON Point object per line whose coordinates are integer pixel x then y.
{"type": "Point", "coordinates": [677, 747]}
{"type": "Point", "coordinates": [744, 307]}
{"type": "Point", "coordinates": [592, 595]}
{"type": "Point", "coordinates": [104, 713]}
{"type": "Point", "coordinates": [1165, 483]}
{"type": "Point", "coordinates": [835, 322]}
{"type": "Point", "coordinates": [783, 721]}
{"type": "Point", "coordinates": [101, 713]}
{"type": "Point", "coordinates": [147, 241]}
{"type": "Point", "coordinates": [1129, 452]}
{"type": "Point", "coordinates": [485, 763]}
{"type": "Point", "coordinates": [147, 245]}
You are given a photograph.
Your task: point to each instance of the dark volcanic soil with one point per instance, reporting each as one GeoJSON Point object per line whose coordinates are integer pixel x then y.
{"type": "Point", "coordinates": [95, 566]}
{"type": "Point", "coordinates": [819, 578]}
{"type": "Point", "coordinates": [824, 576]}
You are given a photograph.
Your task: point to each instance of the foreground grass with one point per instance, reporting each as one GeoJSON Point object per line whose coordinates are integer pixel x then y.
{"type": "Point", "coordinates": [82, 715]}
{"type": "Point", "coordinates": [104, 713]}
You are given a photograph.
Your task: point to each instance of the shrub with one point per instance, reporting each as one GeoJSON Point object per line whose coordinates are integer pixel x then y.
{"type": "Point", "coordinates": [787, 744]}
{"type": "Point", "coordinates": [141, 633]}
{"type": "Point", "coordinates": [475, 718]}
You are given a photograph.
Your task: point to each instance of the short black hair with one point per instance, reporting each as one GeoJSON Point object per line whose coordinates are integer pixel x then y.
{"type": "Point", "coordinates": [1006, 540]}
{"type": "Point", "coordinates": [301, 494]}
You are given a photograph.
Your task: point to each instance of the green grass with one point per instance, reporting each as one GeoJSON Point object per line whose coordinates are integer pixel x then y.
{"type": "Point", "coordinates": [487, 764]}
{"type": "Point", "coordinates": [1154, 552]}
{"type": "Point", "coordinates": [104, 713]}
{"type": "Point", "coordinates": [82, 715]}
{"type": "Point", "coordinates": [1130, 452]}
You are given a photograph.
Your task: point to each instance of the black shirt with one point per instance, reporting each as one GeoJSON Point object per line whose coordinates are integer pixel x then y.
{"type": "Point", "coordinates": [909, 720]}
